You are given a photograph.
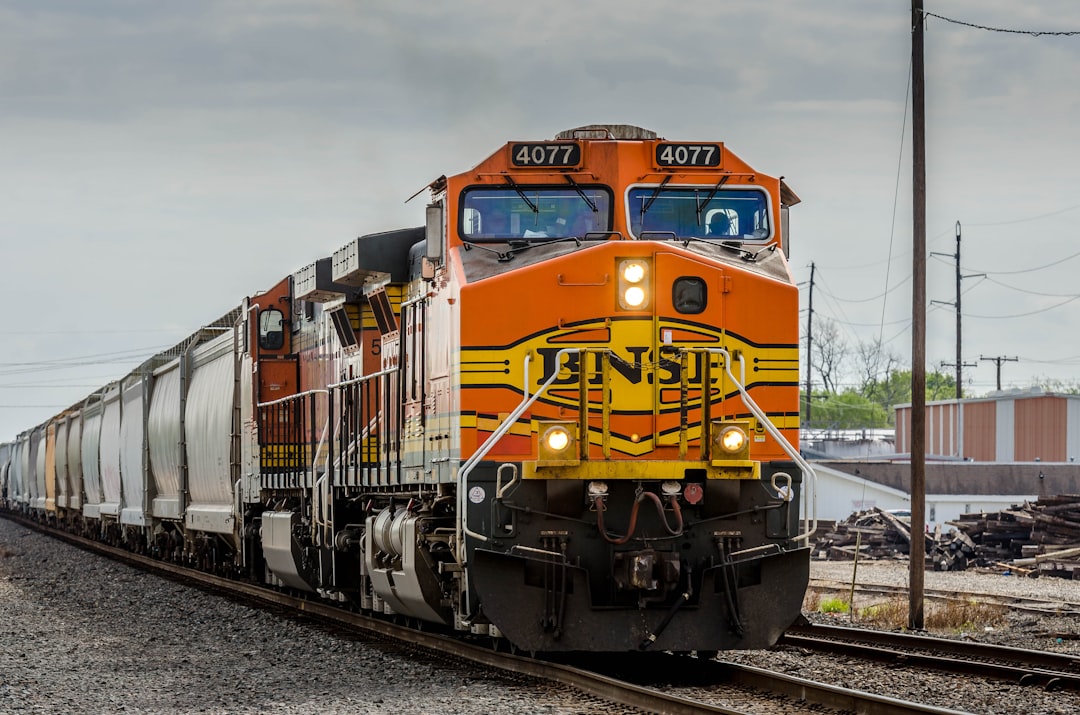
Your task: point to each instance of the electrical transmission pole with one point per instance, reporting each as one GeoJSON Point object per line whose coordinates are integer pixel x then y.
{"type": "Point", "coordinates": [959, 364]}
{"type": "Point", "coordinates": [917, 548]}
{"type": "Point", "coordinates": [999, 360]}
{"type": "Point", "coordinates": [810, 349]}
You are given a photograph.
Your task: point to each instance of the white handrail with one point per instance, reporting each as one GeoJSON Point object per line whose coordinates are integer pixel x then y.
{"type": "Point", "coordinates": [293, 397]}
{"type": "Point", "coordinates": [809, 484]}
{"type": "Point", "coordinates": [500, 431]}
{"type": "Point", "coordinates": [809, 507]}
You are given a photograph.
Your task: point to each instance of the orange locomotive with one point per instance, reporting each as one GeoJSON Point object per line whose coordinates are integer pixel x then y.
{"type": "Point", "coordinates": [569, 415]}
{"type": "Point", "coordinates": [563, 413]}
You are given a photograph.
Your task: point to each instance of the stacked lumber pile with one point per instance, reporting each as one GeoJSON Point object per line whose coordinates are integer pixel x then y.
{"type": "Point", "coordinates": [874, 533]}
{"type": "Point", "coordinates": [1040, 538]}
{"type": "Point", "coordinates": [1035, 538]}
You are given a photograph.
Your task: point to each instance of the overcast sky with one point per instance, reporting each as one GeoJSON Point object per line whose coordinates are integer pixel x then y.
{"type": "Point", "coordinates": [159, 161]}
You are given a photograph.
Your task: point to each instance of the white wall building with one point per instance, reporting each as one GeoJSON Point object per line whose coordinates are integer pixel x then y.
{"type": "Point", "coordinates": [842, 492]}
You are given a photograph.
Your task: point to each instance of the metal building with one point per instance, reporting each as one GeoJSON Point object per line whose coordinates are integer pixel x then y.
{"type": "Point", "coordinates": [1009, 426]}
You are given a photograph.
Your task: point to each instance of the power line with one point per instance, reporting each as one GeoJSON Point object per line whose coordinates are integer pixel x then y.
{"type": "Point", "coordinates": [1029, 218]}
{"type": "Point", "coordinates": [1033, 292]}
{"type": "Point", "coordinates": [1053, 263]}
{"type": "Point", "coordinates": [28, 386]}
{"type": "Point", "coordinates": [33, 407]}
{"type": "Point", "coordinates": [91, 332]}
{"type": "Point", "coordinates": [875, 297]}
{"type": "Point", "coordinates": [1024, 315]}
{"type": "Point", "coordinates": [68, 360]}
{"type": "Point", "coordinates": [1033, 33]}
{"type": "Point", "coordinates": [1071, 360]}
{"type": "Point", "coordinates": [896, 199]}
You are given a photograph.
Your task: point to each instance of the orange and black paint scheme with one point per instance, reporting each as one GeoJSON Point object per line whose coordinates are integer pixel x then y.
{"type": "Point", "coordinates": [628, 525]}
{"type": "Point", "coordinates": [566, 410]}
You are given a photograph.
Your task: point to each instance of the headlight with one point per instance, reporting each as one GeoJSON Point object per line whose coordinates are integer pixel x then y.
{"type": "Point", "coordinates": [634, 297]}
{"type": "Point", "coordinates": [634, 284]}
{"type": "Point", "coordinates": [557, 438]}
{"type": "Point", "coordinates": [557, 443]}
{"type": "Point", "coordinates": [633, 271]}
{"type": "Point", "coordinates": [731, 439]}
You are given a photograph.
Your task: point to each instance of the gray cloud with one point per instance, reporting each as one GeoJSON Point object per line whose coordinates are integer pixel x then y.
{"type": "Point", "coordinates": [163, 160]}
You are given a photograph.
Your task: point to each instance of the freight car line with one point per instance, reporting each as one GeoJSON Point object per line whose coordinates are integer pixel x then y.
{"type": "Point", "coordinates": [1018, 665]}
{"type": "Point", "coordinates": [1015, 603]}
{"type": "Point", "coordinates": [805, 695]}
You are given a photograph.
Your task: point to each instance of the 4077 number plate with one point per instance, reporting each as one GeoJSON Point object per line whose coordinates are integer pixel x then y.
{"type": "Point", "coordinates": [687, 154]}
{"type": "Point", "coordinates": [549, 154]}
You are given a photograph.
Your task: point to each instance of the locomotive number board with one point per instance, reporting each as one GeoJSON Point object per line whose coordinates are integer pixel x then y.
{"type": "Point", "coordinates": [687, 154]}
{"type": "Point", "coordinates": [558, 154]}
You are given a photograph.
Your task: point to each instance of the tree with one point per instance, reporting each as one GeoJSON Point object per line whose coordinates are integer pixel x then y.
{"type": "Point", "coordinates": [848, 410]}
{"type": "Point", "coordinates": [939, 386]}
{"type": "Point", "coordinates": [830, 353]}
{"type": "Point", "coordinates": [875, 363]}
{"type": "Point", "coordinates": [1053, 384]}
{"type": "Point", "coordinates": [895, 389]}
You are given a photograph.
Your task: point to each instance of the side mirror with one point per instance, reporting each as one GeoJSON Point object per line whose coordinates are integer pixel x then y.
{"type": "Point", "coordinates": [785, 240]}
{"type": "Point", "coordinates": [434, 234]}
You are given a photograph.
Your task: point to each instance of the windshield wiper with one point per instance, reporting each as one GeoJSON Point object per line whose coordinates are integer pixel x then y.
{"type": "Point", "coordinates": [655, 195]}
{"type": "Point", "coordinates": [470, 245]}
{"type": "Point", "coordinates": [517, 246]}
{"type": "Point", "coordinates": [521, 194]}
{"type": "Point", "coordinates": [582, 194]}
{"type": "Point", "coordinates": [736, 246]}
{"type": "Point", "coordinates": [712, 194]}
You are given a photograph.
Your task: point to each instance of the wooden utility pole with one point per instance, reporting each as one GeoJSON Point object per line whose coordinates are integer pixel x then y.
{"type": "Point", "coordinates": [959, 329]}
{"type": "Point", "coordinates": [959, 364]}
{"type": "Point", "coordinates": [917, 557]}
{"type": "Point", "coordinates": [810, 349]}
{"type": "Point", "coordinates": [998, 361]}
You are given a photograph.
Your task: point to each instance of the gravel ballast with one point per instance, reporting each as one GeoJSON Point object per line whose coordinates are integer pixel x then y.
{"type": "Point", "coordinates": [964, 693]}
{"type": "Point", "coordinates": [82, 634]}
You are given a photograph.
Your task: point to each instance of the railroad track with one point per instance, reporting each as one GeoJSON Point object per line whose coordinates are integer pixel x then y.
{"type": "Point", "coordinates": [1016, 665]}
{"type": "Point", "coordinates": [1015, 603]}
{"type": "Point", "coordinates": [642, 691]}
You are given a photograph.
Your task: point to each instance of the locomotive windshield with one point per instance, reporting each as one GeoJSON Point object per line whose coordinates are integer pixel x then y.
{"type": "Point", "coordinates": [700, 212]}
{"type": "Point", "coordinates": [534, 213]}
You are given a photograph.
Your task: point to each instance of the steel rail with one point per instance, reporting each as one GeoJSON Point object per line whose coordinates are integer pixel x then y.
{"type": "Point", "coordinates": [591, 683]}
{"type": "Point", "coordinates": [594, 684]}
{"type": "Point", "coordinates": [1018, 665]}
{"type": "Point", "coordinates": [830, 696]}
{"type": "Point", "coordinates": [1014, 603]}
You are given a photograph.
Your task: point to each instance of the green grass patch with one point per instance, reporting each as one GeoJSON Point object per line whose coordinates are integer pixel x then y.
{"type": "Point", "coordinates": [833, 605]}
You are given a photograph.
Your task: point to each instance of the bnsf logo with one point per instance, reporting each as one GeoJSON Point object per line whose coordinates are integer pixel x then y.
{"type": "Point", "coordinates": [643, 371]}
{"type": "Point", "coordinates": [640, 364]}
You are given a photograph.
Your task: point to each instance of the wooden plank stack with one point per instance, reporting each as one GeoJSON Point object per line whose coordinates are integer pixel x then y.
{"type": "Point", "coordinates": [878, 535]}
{"type": "Point", "coordinates": [1034, 538]}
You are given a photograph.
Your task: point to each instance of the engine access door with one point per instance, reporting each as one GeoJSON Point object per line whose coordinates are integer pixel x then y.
{"type": "Point", "coordinates": [689, 317]}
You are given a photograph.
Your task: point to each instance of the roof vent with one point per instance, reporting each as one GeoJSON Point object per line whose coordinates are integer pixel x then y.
{"type": "Point", "coordinates": [607, 131]}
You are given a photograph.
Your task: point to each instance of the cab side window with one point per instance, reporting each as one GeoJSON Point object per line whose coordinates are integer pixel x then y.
{"type": "Point", "coordinates": [271, 329]}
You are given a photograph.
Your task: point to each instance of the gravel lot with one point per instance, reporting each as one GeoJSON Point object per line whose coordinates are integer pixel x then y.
{"type": "Point", "coordinates": [1022, 630]}
{"type": "Point", "coordinates": [81, 634]}
{"type": "Point", "coordinates": [967, 694]}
